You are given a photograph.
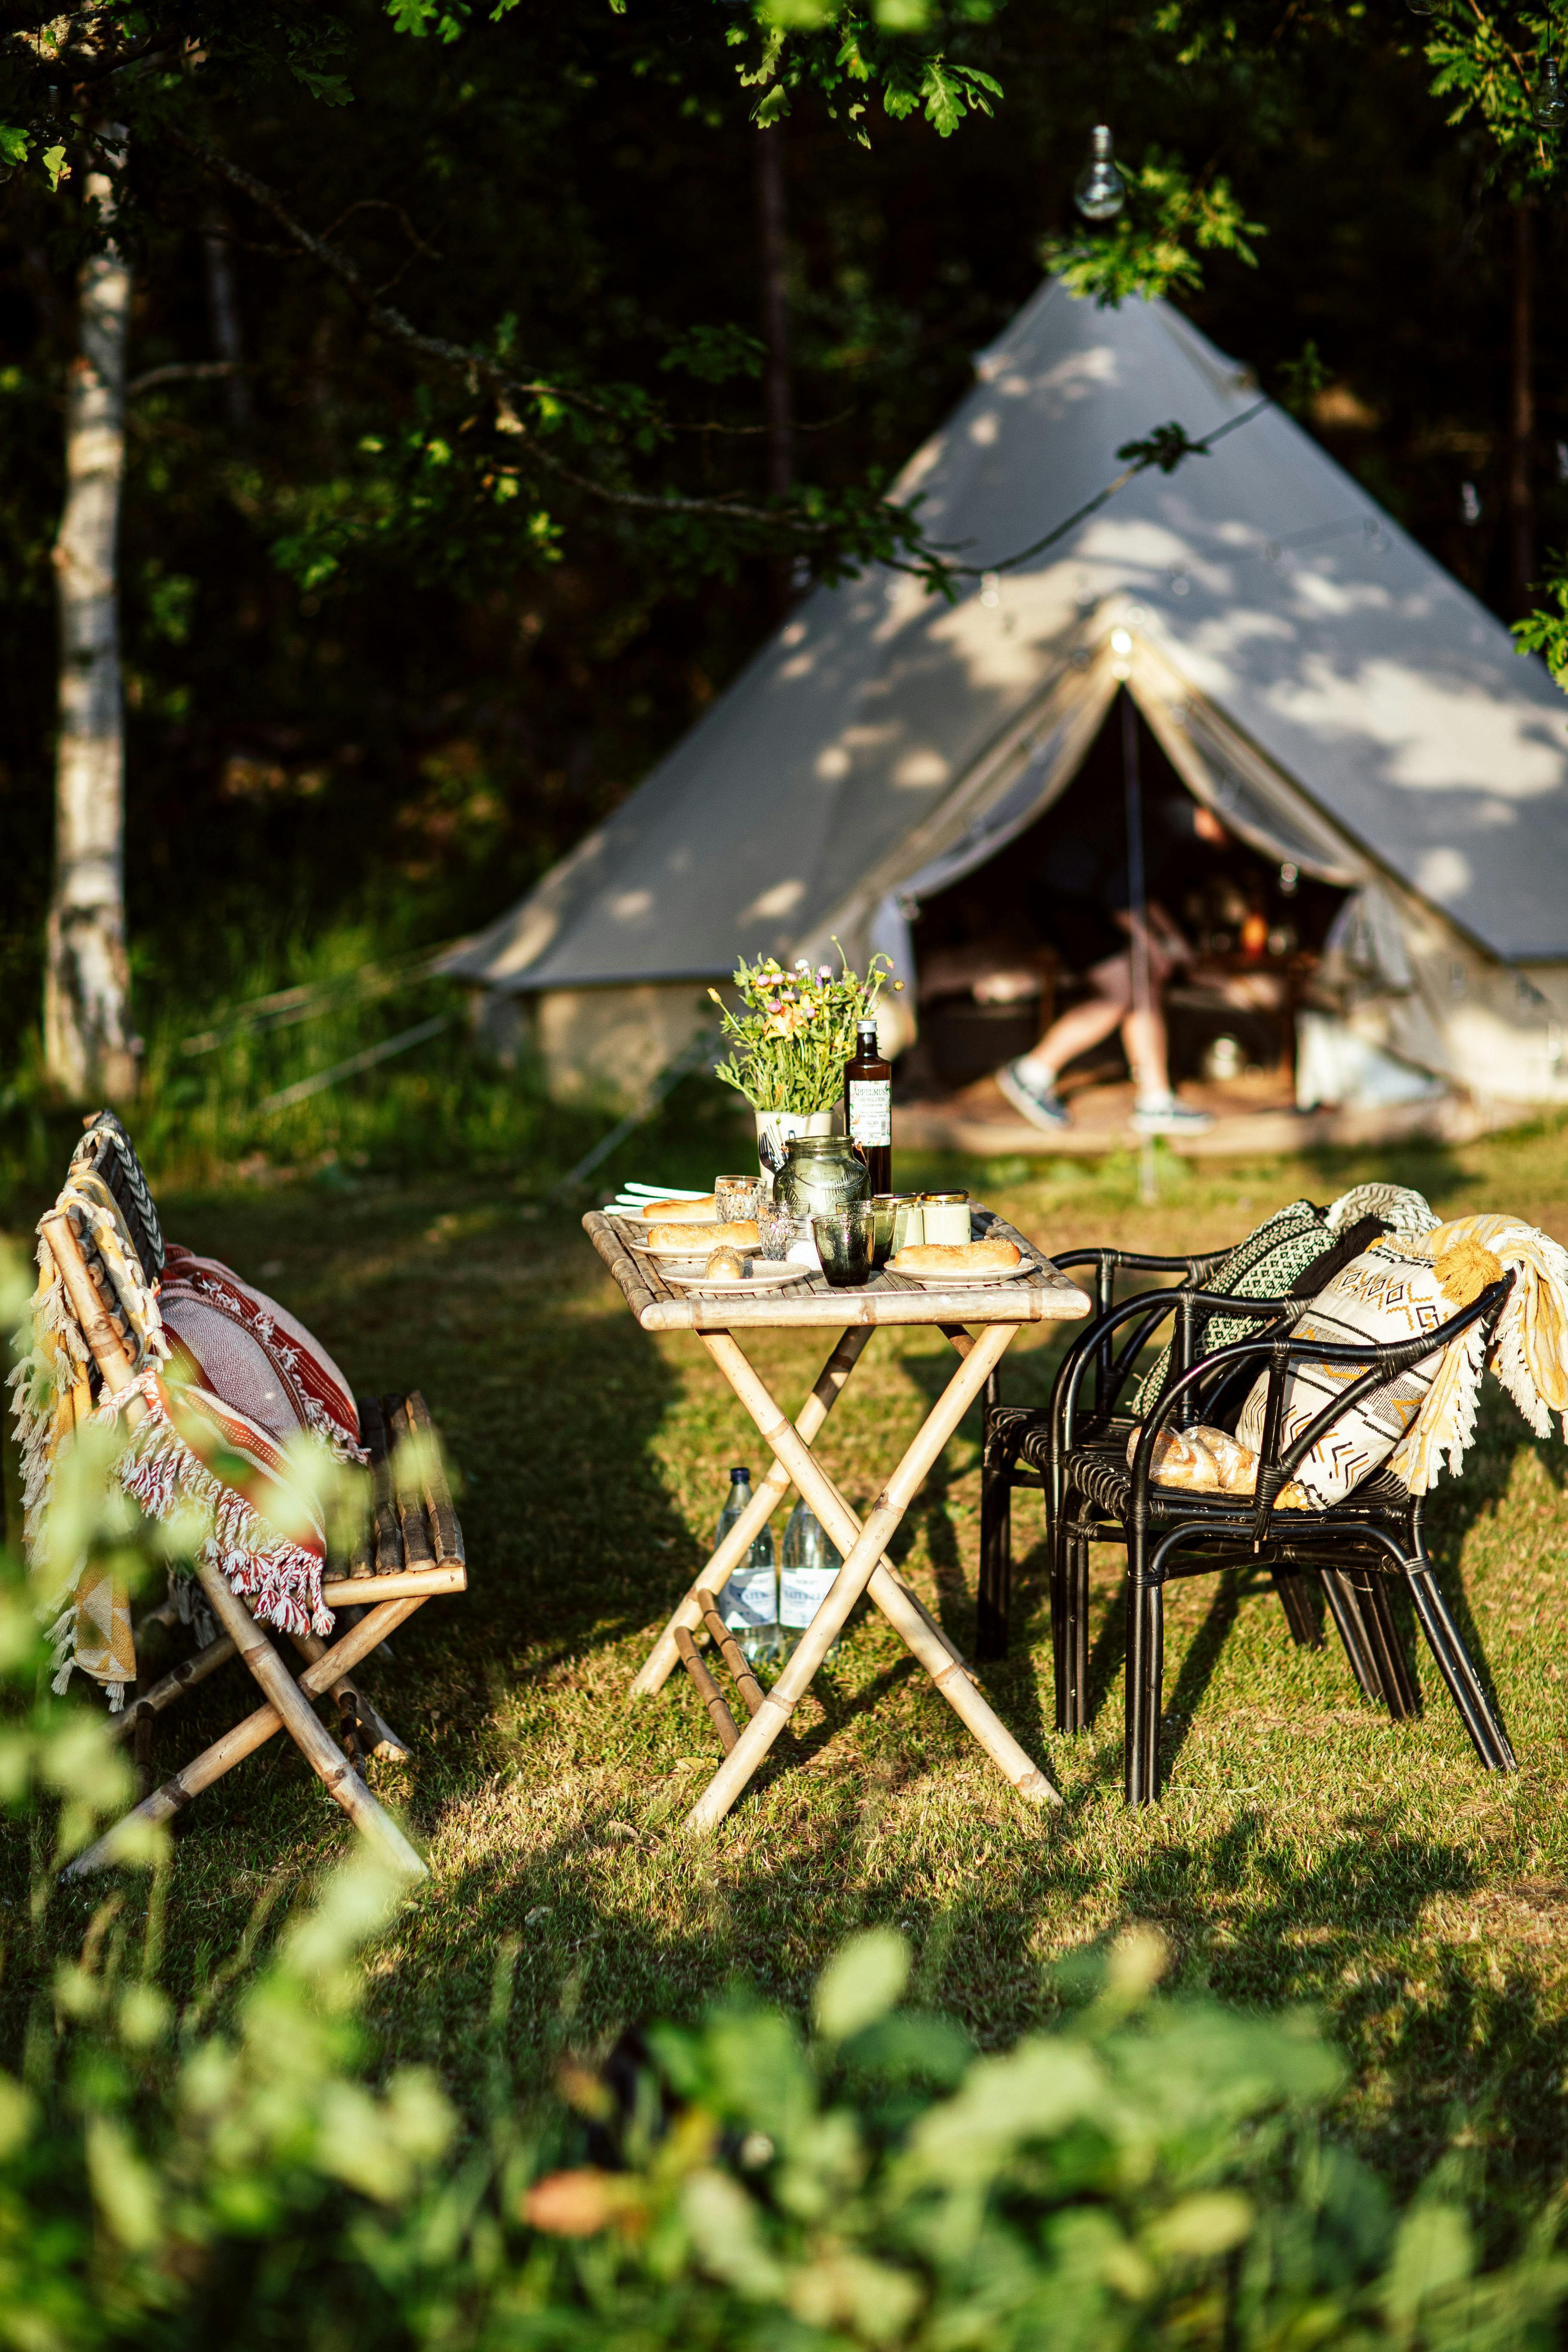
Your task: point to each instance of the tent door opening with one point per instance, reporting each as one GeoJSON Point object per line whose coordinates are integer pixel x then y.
{"type": "Point", "coordinates": [1005, 951]}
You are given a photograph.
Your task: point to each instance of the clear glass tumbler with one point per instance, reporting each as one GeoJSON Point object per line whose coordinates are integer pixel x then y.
{"type": "Point", "coordinates": [777, 1231]}
{"type": "Point", "coordinates": [734, 1196]}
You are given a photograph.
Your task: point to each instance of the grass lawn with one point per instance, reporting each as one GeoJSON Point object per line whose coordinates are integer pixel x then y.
{"type": "Point", "coordinates": [1305, 1849]}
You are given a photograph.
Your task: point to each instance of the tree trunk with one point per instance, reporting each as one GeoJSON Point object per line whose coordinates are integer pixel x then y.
{"type": "Point", "coordinates": [223, 317]}
{"type": "Point", "coordinates": [88, 1049]}
{"type": "Point", "coordinates": [1522, 423]}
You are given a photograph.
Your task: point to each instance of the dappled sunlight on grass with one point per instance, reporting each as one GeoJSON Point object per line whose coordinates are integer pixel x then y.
{"type": "Point", "coordinates": [1306, 1849]}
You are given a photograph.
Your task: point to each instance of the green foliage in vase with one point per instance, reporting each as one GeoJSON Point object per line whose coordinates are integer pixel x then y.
{"type": "Point", "coordinates": [796, 1029]}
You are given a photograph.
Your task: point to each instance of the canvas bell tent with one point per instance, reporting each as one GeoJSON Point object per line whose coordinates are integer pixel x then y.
{"type": "Point", "coordinates": [1350, 712]}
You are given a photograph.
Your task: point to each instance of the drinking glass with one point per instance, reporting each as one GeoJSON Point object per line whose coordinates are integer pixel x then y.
{"type": "Point", "coordinates": [776, 1229]}
{"type": "Point", "coordinates": [734, 1196]}
{"type": "Point", "coordinates": [844, 1239]}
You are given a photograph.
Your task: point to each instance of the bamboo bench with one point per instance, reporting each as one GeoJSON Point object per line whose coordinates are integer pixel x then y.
{"type": "Point", "coordinates": [408, 1549]}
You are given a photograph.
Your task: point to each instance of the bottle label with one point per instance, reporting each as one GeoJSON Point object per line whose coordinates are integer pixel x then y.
{"type": "Point", "coordinates": [871, 1110]}
{"type": "Point", "coordinates": [748, 1599]}
{"type": "Point", "coordinates": [802, 1592]}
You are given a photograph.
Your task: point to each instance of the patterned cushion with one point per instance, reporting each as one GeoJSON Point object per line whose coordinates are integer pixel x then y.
{"type": "Point", "coordinates": [1265, 1265]}
{"type": "Point", "coordinates": [1382, 1296]}
{"type": "Point", "coordinates": [240, 1344]}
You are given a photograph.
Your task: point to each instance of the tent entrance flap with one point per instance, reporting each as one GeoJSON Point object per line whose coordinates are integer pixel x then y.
{"type": "Point", "coordinates": [1005, 944]}
{"type": "Point", "coordinates": [1217, 766]}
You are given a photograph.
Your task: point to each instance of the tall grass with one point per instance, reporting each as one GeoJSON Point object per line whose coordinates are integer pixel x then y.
{"type": "Point", "coordinates": [214, 1062]}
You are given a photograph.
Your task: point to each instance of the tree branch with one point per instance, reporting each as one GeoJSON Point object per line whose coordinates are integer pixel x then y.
{"type": "Point", "coordinates": [481, 367]}
{"type": "Point", "coordinates": [178, 372]}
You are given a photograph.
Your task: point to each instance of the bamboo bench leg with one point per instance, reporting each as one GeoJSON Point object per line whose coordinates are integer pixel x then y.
{"type": "Point", "coordinates": [860, 1562]}
{"type": "Point", "coordinates": [715, 1573]}
{"type": "Point", "coordinates": [244, 1738]}
{"type": "Point", "coordinates": [340, 1780]}
{"type": "Point", "coordinates": [174, 1685]}
{"type": "Point", "coordinates": [385, 1741]}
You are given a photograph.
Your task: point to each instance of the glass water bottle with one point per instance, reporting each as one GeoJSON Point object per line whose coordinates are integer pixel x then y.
{"type": "Point", "coordinates": [749, 1603]}
{"type": "Point", "coordinates": [811, 1561]}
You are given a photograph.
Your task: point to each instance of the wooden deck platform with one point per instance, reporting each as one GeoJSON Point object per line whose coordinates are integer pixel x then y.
{"type": "Point", "coordinates": [1253, 1115]}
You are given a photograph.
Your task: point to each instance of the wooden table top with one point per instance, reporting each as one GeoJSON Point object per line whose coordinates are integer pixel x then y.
{"type": "Point", "coordinates": [1042, 1296]}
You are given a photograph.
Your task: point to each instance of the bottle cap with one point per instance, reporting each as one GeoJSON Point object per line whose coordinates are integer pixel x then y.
{"type": "Point", "coordinates": [739, 1472]}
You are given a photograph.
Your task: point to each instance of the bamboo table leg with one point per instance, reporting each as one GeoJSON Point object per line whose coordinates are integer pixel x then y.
{"type": "Point", "coordinates": [860, 1563]}
{"type": "Point", "coordinates": [887, 1588]}
{"type": "Point", "coordinates": [715, 1572]}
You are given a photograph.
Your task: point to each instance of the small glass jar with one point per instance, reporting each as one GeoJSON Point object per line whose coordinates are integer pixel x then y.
{"type": "Point", "coordinates": [821, 1172]}
{"type": "Point", "coordinates": [898, 1223]}
{"type": "Point", "coordinates": [735, 1196]}
{"type": "Point", "coordinates": [945, 1216]}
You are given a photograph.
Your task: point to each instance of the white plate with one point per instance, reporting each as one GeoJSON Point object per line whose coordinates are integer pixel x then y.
{"type": "Point", "coordinates": [982, 1278]}
{"type": "Point", "coordinates": [662, 1254]}
{"type": "Point", "coordinates": [768, 1274]}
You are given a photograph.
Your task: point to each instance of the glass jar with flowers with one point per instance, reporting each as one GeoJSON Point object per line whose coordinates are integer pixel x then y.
{"type": "Point", "coordinates": [790, 1039]}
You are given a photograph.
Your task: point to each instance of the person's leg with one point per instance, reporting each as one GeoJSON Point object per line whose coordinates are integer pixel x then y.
{"type": "Point", "coordinates": [1143, 1034]}
{"type": "Point", "coordinates": [1073, 1034]}
{"type": "Point", "coordinates": [1155, 1109]}
{"type": "Point", "coordinates": [1029, 1083]}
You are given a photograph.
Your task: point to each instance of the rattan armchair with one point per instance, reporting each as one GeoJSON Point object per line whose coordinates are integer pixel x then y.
{"type": "Point", "coordinates": [1352, 1547]}
{"type": "Point", "coordinates": [1018, 1435]}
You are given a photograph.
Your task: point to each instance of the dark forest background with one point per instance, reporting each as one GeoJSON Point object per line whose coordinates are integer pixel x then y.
{"type": "Point", "coordinates": [402, 745]}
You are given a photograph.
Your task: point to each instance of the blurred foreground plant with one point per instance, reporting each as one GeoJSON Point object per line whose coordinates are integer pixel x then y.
{"type": "Point", "coordinates": [1153, 2170]}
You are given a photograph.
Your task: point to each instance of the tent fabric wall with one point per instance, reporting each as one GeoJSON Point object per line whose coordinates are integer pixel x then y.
{"type": "Point", "coordinates": [1308, 668]}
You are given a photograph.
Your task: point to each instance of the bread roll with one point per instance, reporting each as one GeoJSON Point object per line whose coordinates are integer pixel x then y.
{"type": "Point", "coordinates": [729, 1263]}
{"type": "Point", "coordinates": [739, 1234]}
{"type": "Point", "coordinates": [956, 1257]}
{"type": "Point", "coordinates": [682, 1213]}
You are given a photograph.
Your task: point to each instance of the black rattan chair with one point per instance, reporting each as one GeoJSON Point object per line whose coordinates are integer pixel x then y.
{"type": "Point", "coordinates": [1016, 1434]}
{"type": "Point", "coordinates": [1351, 1548]}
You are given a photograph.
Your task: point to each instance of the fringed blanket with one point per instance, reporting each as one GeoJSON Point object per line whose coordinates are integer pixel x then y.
{"type": "Point", "coordinates": [245, 1416]}
{"type": "Point", "coordinates": [1530, 1356]}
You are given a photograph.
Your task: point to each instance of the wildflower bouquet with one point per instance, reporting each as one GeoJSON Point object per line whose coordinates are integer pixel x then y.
{"type": "Point", "coordinates": [795, 1030]}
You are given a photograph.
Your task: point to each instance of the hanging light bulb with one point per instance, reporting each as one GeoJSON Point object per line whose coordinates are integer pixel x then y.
{"type": "Point", "coordinates": [1551, 108]}
{"type": "Point", "coordinates": [1099, 190]}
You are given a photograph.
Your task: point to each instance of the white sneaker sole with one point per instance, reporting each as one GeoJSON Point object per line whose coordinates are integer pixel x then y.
{"type": "Point", "coordinates": [1046, 1122]}
{"type": "Point", "coordinates": [1164, 1122]}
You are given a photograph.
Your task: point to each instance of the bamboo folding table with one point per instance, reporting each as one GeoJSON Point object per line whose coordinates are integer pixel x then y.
{"type": "Point", "coordinates": [980, 1323]}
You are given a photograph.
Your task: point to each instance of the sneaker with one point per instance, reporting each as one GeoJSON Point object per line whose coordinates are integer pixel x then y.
{"type": "Point", "coordinates": [1164, 1115]}
{"type": "Point", "coordinates": [1040, 1103]}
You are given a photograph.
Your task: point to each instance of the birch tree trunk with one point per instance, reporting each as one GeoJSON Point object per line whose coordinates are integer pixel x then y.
{"type": "Point", "coordinates": [88, 1048]}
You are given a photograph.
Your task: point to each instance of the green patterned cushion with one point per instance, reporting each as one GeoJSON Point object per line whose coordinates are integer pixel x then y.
{"type": "Point", "coordinates": [1265, 1265]}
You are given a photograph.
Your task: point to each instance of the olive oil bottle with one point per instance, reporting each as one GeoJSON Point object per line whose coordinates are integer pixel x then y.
{"type": "Point", "coordinates": [868, 1109]}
